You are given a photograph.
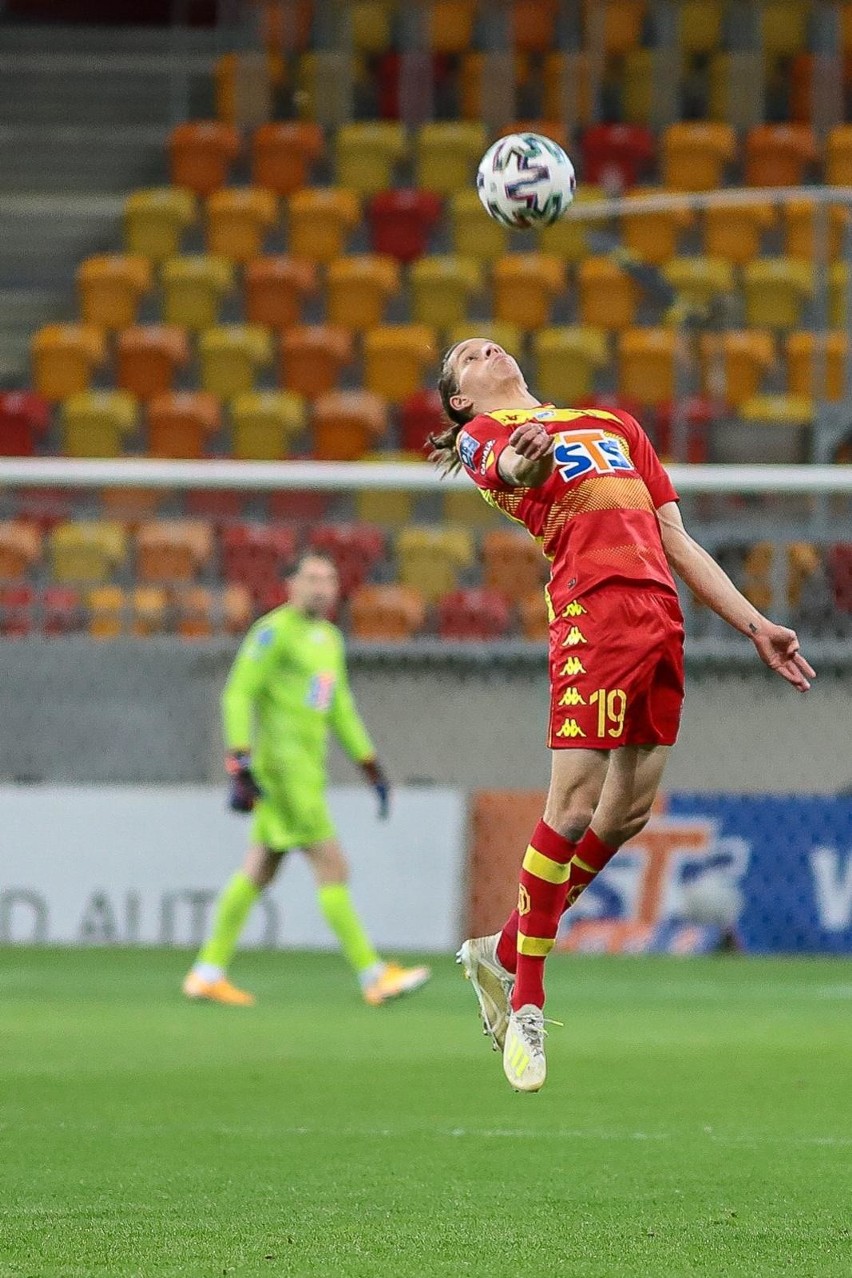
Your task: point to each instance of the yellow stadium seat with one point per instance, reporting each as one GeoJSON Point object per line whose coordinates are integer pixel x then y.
{"type": "Point", "coordinates": [20, 549]}
{"type": "Point", "coordinates": [653, 237]}
{"type": "Point", "coordinates": [646, 358]}
{"type": "Point", "coordinates": [431, 558]}
{"type": "Point", "coordinates": [784, 27]}
{"type": "Point", "coordinates": [87, 550]}
{"type": "Point", "coordinates": [368, 152]}
{"type": "Point", "coordinates": [451, 25]}
{"type": "Point", "coordinates": [776, 289]}
{"type": "Point", "coordinates": [392, 506]}
{"type": "Point", "coordinates": [616, 24]}
{"type": "Point", "coordinates": [230, 357]}
{"type": "Point", "coordinates": [838, 286]}
{"type": "Point", "coordinates": [821, 356]}
{"type": "Point", "coordinates": [148, 605]}
{"type": "Point", "coordinates": [734, 232]}
{"type": "Point", "coordinates": [148, 358]}
{"type": "Point", "coordinates": [777, 409]}
{"type": "Point", "coordinates": [779, 154]}
{"type": "Point", "coordinates": [509, 336]}
{"type": "Point", "coordinates": [64, 358]}
{"type": "Point", "coordinates": [396, 357]}
{"type": "Point", "coordinates": [801, 221]}
{"type": "Point", "coordinates": [609, 297]}
{"type": "Point", "coordinates": [372, 25]}
{"type": "Point", "coordinates": [525, 285]}
{"type": "Point", "coordinates": [640, 72]}
{"type": "Point", "coordinates": [320, 221]}
{"type": "Point", "coordinates": [111, 287]}
{"type": "Point", "coordinates": [464, 506]}
{"type": "Point", "coordinates": [173, 549]}
{"type": "Point", "coordinates": [180, 424]}
{"type": "Point", "coordinates": [107, 607]}
{"type": "Point", "coordinates": [695, 153]}
{"type": "Point", "coordinates": [155, 220]}
{"type": "Point", "coordinates": [264, 422]}
{"type": "Point", "coordinates": [238, 220]}
{"type": "Point", "coordinates": [358, 289]}
{"type": "Point", "coordinates": [838, 155]}
{"type": "Point", "coordinates": [735, 363]}
{"type": "Point", "coordinates": [386, 613]}
{"type": "Point", "coordinates": [441, 288]}
{"type": "Point", "coordinates": [448, 153]}
{"type": "Point", "coordinates": [347, 424]}
{"type": "Point", "coordinates": [566, 361]}
{"type": "Point", "coordinates": [568, 239]}
{"type": "Point", "coordinates": [193, 288]}
{"type": "Point", "coordinates": [698, 280]}
{"type": "Point", "coordinates": [473, 234]}
{"type": "Point", "coordinates": [700, 27]}
{"type": "Point", "coordinates": [201, 153]}
{"type": "Point", "coordinates": [96, 423]}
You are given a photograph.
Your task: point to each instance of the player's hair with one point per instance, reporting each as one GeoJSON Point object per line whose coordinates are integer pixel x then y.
{"type": "Point", "coordinates": [443, 442]}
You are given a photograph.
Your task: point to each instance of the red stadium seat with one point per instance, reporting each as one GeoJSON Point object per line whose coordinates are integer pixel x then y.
{"type": "Point", "coordinates": [355, 548]}
{"type": "Point", "coordinates": [272, 597]}
{"type": "Point", "coordinates": [388, 69]}
{"type": "Point", "coordinates": [401, 220]}
{"type": "Point", "coordinates": [24, 418]}
{"type": "Point", "coordinates": [472, 615]}
{"type": "Point", "coordinates": [617, 155]}
{"type": "Point", "coordinates": [699, 415]}
{"type": "Point", "coordinates": [840, 572]}
{"type": "Point", "coordinates": [420, 415]}
{"type": "Point", "coordinates": [61, 610]}
{"type": "Point", "coordinates": [257, 556]}
{"type": "Point", "coordinates": [218, 505]}
{"type": "Point", "coordinates": [16, 611]}
{"type": "Point", "coordinates": [309, 505]}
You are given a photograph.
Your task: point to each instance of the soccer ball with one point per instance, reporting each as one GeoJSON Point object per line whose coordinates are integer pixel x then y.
{"type": "Point", "coordinates": [525, 180]}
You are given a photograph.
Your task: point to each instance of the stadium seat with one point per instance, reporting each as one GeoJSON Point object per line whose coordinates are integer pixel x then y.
{"type": "Point", "coordinates": [201, 153]}
{"type": "Point", "coordinates": [525, 285]}
{"type": "Point", "coordinates": [466, 506]}
{"type": "Point", "coordinates": [276, 288]}
{"type": "Point", "coordinates": [431, 558]}
{"type": "Point", "coordinates": [236, 610]}
{"type": "Point", "coordinates": [734, 232]}
{"type": "Point", "coordinates": [609, 297]}
{"type": "Point", "coordinates": [481, 77]}
{"type": "Point", "coordinates": [473, 234]}
{"type": "Point", "coordinates": [801, 221]}
{"type": "Point", "coordinates": [107, 607]}
{"type": "Point", "coordinates": [313, 357]}
{"type": "Point", "coordinates": [448, 153]}
{"type": "Point", "coordinates": [646, 359]}
{"type": "Point", "coordinates": [230, 357]}
{"type": "Point", "coordinates": [695, 154]}
{"type": "Point", "coordinates": [358, 289]}
{"type": "Point", "coordinates": [783, 421]}
{"type": "Point", "coordinates": [320, 221]}
{"type": "Point", "coordinates": [386, 614]}
{"type": "Point", "coordinates": [238, 221]}
{"type": "Point", "coordinates": [401, 221]}
{"type": "Point", "coordinates": [839, 562]}
{"type": "Point", "coordinates": [180, 424]}
{"type": "Point", "coordinates": [420, 415]}
{"type": "Point", "coordinates": [566, 360]}
{"type": "Point", "coordinates": [475, 614]}
{"type": "Point", "coordinates": [776, 289]}
{"type": "Point", "coordinates": [131, 506]}
{"type": "Point", "coordinates": [264, 422]}
{"type": "Point", "coordinates": [783, 27]}
{"type": "Point", "coordinates": [821, 356]}
{"type": "Point", "coordinates": [148, 359]}
{"type": "Point", "coordinates": [567, 85]}
{"type": "Point", "coordinates": [533, 27]}
{"type": "Point", "coordinates": [61, 611]}
{"type": "Point", "coordinates": [803, 561]}
{"type": "Point", "coordinates": [698, 280]}
{"type": "Point", "coordinates": [155, 221]}
{"type": "Point", "coordinates": [513, 564]}
{"type": "Point", "coordinates": [64, 358]}
{"type": "Point", "coordinates": [220, 506]}
{"type": "Point", "coordinates": [735, 363]}
{"type": "Point", "coordinates": [616, 25]}
{"type": "Point", "coordinates": [451, 25]}
{"type": "Point", "coordinates": [258, 556]}
{"type": "Point", "coordinates": [110, 289]}
{"type": "Point", "coordinates": [44, 507]}
{"type": "Point", "coordinates": [86, 550]}
{"type": "Point", "coordinates": [16, 611]}
{"type": "Point", "coordinates": [173, 549]}
{"type": "Point", "coordinates": [245, 82]}
{"type": "Point", "coordinates": [700, 25]}
{"type": "Point", "coordinates": [283, 153]}
{"type": "Point", "coordinates": [193, 289]}
{"type": "Point", "coordinates": [779, 154]}
{"type": "Point", "coordinates": [653, 237]}
{"type": "Point", "coordinates": [838, 286]}
{"type": "Point", "coordinates": [24, 419]}
{"type": "Point", "coordinates": [148, 610]}
{"type": "Point", "coordinates": [638, 82]}
{"type": "Point", "coordinates": [532, 611]}
{"type": "Point", "coordinates": [367, 153]}
{"type": "Point", "coordinates": [616, 156]}
{"type": "Point", "coordinates": [683, 428]}
{"type": "Point", "coordinates": [395, 358]}
{"type": "Point", "coordinates": [371, 25]}
{"type": "Point", "coordinates": [838, 156]}
{"type": "Point", "coordinates": [97, 423]}
{"type": "Point", "coordinates": [20, 548]}
{"type": "Point", "coordinates": [355, 548]}
{"type": "Point", "coordinates": [568, 238]}
{"type": "Point", "coordinates": [195, 609]}
{"type": "Point", "coordinates": [441, 288]}
{"type": "Point", "coordinates": [347, 424]}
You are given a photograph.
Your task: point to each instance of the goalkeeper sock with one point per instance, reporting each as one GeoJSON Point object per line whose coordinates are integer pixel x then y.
{"type": "Point", "coordinates": [232, 909]}
{"type": "Point", "coordinates": [342, 917]}
{"type": "Point", "coordinates": [541, 896]}
{"type": "Point", "coordinates": [590, 857]}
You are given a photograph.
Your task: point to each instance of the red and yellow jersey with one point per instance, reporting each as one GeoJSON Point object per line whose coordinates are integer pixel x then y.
{"type": "Point", "coordinates": [595, 516]}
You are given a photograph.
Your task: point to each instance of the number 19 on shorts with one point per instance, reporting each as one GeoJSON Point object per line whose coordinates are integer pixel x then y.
{"type": "Point", "coordinates": [612, 707]}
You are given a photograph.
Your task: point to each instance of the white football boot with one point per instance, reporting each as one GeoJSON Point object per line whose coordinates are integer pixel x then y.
{"type": "Point", "coordinates": [492, 985]}
{"type": "Point", "coordinates": [523, 1052]}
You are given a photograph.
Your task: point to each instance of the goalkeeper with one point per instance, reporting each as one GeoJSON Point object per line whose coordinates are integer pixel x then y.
{"type": "Point", "coordinates": [287, 686]}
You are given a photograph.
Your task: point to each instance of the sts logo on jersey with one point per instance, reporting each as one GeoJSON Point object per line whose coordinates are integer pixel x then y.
{"type": "Point", "coordinates": [585, 452]}
{"type": "Point", "coordinates": [467, 446]}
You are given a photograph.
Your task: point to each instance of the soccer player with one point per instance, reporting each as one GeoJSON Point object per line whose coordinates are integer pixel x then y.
{"type": "Point", "coordinates": [589, 486]}
{"type": "Point", "coordinates": [286, 688]}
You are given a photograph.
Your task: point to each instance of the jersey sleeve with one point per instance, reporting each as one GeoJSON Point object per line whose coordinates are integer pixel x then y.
{"type": "Point", "coordinates": [479, 446]}
{"type": "Point", "coordinates": [246, 678]}
{"type": "Point", "coordinates": [346, 722]}
{"type": "Point", "coordinates": [648, 464]}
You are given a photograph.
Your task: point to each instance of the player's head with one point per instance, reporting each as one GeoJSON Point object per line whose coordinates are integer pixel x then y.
{"type": "Point", "coordinates": [314, 585]}
{"type": "Point", "coordinates": [477, 375]}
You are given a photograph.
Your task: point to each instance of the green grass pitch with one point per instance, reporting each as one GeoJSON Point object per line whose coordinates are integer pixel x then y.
{"type": "Point", "coordinates": [697, 1120]}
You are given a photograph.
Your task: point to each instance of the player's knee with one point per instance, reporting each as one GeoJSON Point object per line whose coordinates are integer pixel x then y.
{"type": "Point", "coordinates": [571, 822]}
{"type": "Point", "coordinates": [632, 824]}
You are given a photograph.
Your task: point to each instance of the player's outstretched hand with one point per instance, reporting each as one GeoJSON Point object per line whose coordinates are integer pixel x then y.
{"type": "Point", "coordinates": [375, 776]}
{"type": "Point", "coordinates": [243, 791]}
{"type": "Point", "coordinates": [778, 647]}
{"type": "Point", "coordinates": [531, 441]}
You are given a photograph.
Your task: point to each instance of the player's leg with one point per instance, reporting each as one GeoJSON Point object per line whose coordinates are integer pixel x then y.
{"type": "Point", "coordinates": [379, 980]}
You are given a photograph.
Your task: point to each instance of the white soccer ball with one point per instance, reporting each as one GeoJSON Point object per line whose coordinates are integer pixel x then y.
{"type": "Point", "coordinates": [525, 180]}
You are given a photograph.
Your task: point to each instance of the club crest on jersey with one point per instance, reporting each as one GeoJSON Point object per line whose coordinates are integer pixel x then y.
{"type": "Point", "coordinates": [588, 452]}
{"type": "Point", "coordinates": [467, 447]}
{"type": "Point", "coordinates": [320, 691]}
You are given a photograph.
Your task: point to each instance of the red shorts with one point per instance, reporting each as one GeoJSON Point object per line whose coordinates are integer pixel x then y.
{"type": "Point", "coordinates": [616, 671]}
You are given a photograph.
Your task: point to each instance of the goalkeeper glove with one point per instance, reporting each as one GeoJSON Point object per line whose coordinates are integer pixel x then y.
{"type": "Point", "coordinates": [375, 776]}
{"type": "Point", "coordinates": [244, 790]}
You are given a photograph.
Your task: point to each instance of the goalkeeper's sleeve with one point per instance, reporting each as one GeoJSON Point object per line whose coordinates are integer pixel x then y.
{"type": "Point", "coordinates": [246, 679]}
{"type": "Point", "coordinates": [346, 722]}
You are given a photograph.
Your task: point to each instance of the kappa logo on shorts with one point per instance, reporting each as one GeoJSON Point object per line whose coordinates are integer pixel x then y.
{"type": "Point", "coordinates": [573, 667]}
{"type": "Point", "coordinates": [467, 447]}
{"type": "Point", "coordinates": [573, 637]}
{"type": "Point", "coordinates": [574, 609]}
{"type": "Point", "coordinates": [572, 697]}
{"type": "Point", "coordinates": [570, 728]}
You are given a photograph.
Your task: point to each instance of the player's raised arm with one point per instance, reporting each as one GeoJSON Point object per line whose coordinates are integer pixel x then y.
{"type": "Point", "coordinates": [776, 645]}
{"type": "Point", "coordinates": [527, 460]}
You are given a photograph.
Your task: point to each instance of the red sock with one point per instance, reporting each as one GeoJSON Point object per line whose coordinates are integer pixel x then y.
{"type": "Point", "coordinates": [541, 896]}
{"type": "Point", "coordinates": [593, 853]}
